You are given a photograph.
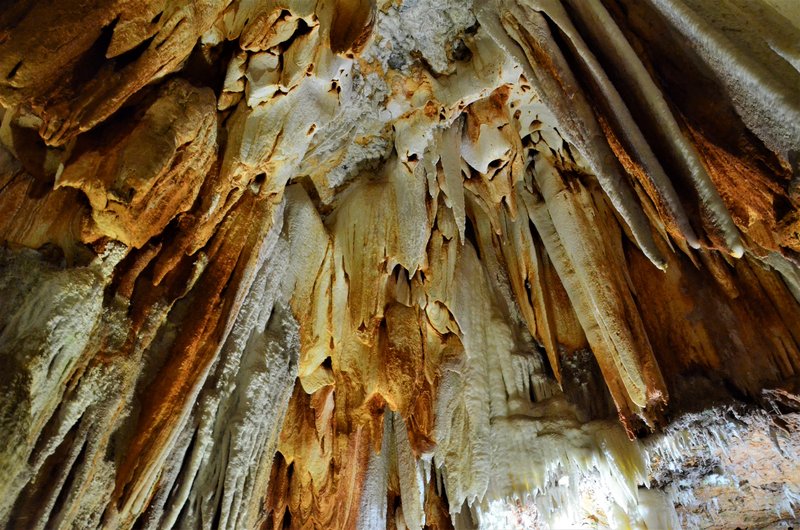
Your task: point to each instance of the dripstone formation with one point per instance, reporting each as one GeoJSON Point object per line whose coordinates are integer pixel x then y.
{"type": "Point", "coordinates": [399, 264]}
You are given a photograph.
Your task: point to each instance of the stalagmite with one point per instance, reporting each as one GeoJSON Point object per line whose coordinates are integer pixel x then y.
{"type": "Point", "coordinates": [399, 264]}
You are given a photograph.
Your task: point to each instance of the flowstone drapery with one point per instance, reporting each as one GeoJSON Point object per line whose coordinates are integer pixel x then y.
{"type": "Point", "coordinates": [399, 263]}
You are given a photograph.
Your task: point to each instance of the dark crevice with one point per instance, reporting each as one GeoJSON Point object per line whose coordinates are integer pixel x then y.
{"type": "Point", "coordinates": [470, 235]}
{"type": "Point", "coordinates": [302, 29]}
{"type": "Point", "coordinates": [124, 59]}
{"type": "Point", "coordinates": [327, 363]}
{"type": "Point", "coordinates": [311, 190]}
{"type": "Point", "coordinates": [94, 60]}
{"type": "Point", "coordinates": [208, 65]}
{"type": "Point", "coordinates": [14, 70]}
{"type": "Point", "coordinates": [164, 40]}
{"type": "Point", "coordinates": [217, 513]}
{"type": "Point", "coordinates": [70, 484]}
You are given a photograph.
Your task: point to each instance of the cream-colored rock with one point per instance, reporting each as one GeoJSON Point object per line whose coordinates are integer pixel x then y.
{"type": "Point", "coordinates": [398, 264]}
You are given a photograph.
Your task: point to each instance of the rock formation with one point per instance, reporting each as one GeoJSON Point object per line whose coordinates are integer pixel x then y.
{"type": "Point", "coordinates": [399, 263]}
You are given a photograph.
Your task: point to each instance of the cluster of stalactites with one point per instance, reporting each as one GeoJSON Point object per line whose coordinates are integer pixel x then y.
{"type": "Point", "coordinates": [343, 263]}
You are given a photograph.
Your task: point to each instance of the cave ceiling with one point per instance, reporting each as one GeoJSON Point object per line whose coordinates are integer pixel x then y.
{"type": "Point", "coordinates": [399, 264]}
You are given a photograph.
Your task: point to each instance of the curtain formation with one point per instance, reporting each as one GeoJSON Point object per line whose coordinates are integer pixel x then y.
{"type": "Point", "coordinates": [338, 264]}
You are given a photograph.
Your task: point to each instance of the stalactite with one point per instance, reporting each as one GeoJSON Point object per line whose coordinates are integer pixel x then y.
{"type": "Point", "coordinates": [399, 264]}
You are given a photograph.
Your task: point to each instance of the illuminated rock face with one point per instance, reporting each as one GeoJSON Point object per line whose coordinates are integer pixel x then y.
{"type": "Point", "coordinates": [347, 264]}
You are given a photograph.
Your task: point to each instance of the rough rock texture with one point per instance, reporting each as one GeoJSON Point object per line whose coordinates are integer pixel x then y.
{"type": "Point", "coordinates": [399, 263]}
